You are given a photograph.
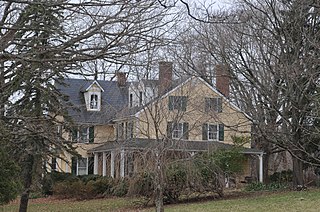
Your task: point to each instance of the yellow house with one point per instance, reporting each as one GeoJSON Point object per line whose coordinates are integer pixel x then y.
{"type": "Point", "coordinates": [117, 121]}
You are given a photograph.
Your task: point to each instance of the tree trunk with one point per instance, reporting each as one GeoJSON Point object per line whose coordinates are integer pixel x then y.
{"type": "Point", "coordinates": [159, 185]}
{"type": "Point", "coordinates": [298, 181]}
{"type": "Point", "coordinates": [27, 168]}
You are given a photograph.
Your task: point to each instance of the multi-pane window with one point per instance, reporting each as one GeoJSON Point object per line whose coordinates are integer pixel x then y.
{"type": "Point", "coordinates": [83, 134]}
{"type": "Point", "coordinates": [94, 101]}
{"type": "Point", "coordinates": [178, 103]}
{"type": "Point", "coordinates": [82, 166]}
{"type": "Point", "coordinates": [213, 132]}
{"type": "Point", "coordinates": [178, 130]}
{"type": "Point", "coordinates": [213, 104]}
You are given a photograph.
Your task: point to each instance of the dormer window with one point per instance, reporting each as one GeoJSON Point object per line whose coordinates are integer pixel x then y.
{"type": "Point", "coordinates": [92, 95]}
{"type": "Point", "coordinates": [94, 102]}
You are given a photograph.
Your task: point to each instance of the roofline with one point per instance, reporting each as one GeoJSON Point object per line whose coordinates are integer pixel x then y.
{"type": "Point", "coordinates": [225, 98]}
{"type": "Point", "coordinates": [97, 83]}
{"type": "Point", "coordinates": [210, 86]}
{"type": "Point", "coordinates": [164, 95]}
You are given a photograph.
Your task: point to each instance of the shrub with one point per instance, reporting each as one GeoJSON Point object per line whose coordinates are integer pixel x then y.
{"type": "Point", "coordinates": [282, 177]}
{"type": "Point", "coordinates": [141, 185]}
{"type": "Point", "coordinates": [258, 186]}
{"type": "Point", "coordinates": [120, 188]}
{"type": "Point", "coordinates": [176, 182]}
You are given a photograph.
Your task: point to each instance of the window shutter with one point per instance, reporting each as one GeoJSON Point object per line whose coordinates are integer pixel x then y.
{"type": "Point", "coordinates": [205, 132]}
{"type": "Point", "coordinates": [90, 165]}
{"type": "Point", "coordinates": [169, 129]}
{"type": "Point", "coordinates": [74, 165]}
{"type": "Point", "coordinates": [221, 132]}
{"type": "Point", "coordinates": [91, 134]}
{"type": "Point", "coordinates": [171, 102]}
{"type": "Point", "coordinates": [185, 131]}
{"type": "Point", "coordinates": [219, 105]}
{"type": "Point", "coordinates": [206, 104]}
{"type": "Point", "coordinates": [184, 103]}
{"type": "Point", "coordinates": [74, 134]}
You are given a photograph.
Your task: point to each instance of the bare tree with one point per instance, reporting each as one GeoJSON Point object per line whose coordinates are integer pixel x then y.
{"type": "Point", "coordinates": [45, 41]}
{"type": "Point", "coordinates": [271, 54]}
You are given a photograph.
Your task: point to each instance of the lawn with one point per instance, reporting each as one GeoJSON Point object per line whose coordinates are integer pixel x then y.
{"type": "Point", "coordinates": [289, 201]}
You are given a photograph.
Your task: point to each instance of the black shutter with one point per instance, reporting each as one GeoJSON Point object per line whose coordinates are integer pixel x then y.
{"type": "Point", "coordinates": [74, 162]}
{"type": "Point", "coordinates": [184, 103]}
{"type": "Point", "coordinates": [74, 134]}
{"type": "Point", "coordinates": [205, 132]}
{"type": "Point", "coordinates": [171, 102]}
{"type": "Point", "coordinates": [91, 134]}
{"type": "Point", "coordinates": [206, 104]}
{"type": "Point", "coordinates": [185, 131]}
{"type": "Point", "coordinates": [90, 165]}
{"type": "Point", "coordinates": [221, 132]}
{"type": "Point", "coordinates": [169, 129]}
{"type": "Point", "coordinates": [219, 105]}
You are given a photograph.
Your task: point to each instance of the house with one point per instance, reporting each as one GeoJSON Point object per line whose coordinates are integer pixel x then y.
{"type": "Point", "coordinates": [116, 121]}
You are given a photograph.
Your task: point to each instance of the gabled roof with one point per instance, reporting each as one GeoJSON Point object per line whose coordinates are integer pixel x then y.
{"type": "Point", "coordinates": [87, 87]}
{"type": "Point", "coordinates": [113, 99]}
{"type": "Point", "coordinates": [183, 82]}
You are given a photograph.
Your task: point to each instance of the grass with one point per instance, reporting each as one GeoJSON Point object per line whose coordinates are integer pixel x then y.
{"type": "Point", "coordinates": [289, 201]}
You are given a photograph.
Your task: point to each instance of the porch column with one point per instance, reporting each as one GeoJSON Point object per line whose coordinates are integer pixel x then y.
{"type": "Point", "coordinates": [261, 167]}
{"type": "Point", "coordinates": [95, 163]}
{"type": "Point", "coordinates": [112, 164]}
{"type": "Point", "coordinates": [122, 163]}
{"type": "Point", "coordinates": [104, 164]}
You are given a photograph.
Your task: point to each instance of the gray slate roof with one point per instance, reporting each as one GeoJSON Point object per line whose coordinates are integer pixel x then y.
{"type": "Point", "coordinates": [113, 99]}
{"type": "Point", "coordinates": [177, 145]}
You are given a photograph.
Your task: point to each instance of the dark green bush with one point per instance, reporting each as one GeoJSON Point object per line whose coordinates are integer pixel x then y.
{"type": "Point", "coordinates": [282, 177]}
{"type": "Point", "coordinates": [86, 187]}
{"type": "Point", "coordinates": [258, 186]}
{"type": "Point", "coordinates": [175, 182]}
{"type": "Point", "coordinates": [120, 188]}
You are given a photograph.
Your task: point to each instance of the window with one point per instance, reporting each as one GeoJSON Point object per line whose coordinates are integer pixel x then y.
{"type": "Point", "coordinates": [178, 130]}
{"type": "Point", "coordinates": [213, 132]}
{"type": "Point", "coordinates": [131, 100]}
{"type": "Point", "coordinates": [213, 104]}
{"type": "Point", "coordinates": [82, 166]}
{"type": "Point", "coordinates": [140, 98]}
{"type": "Point", "coordinates": [53, 164]}
{"type": "Point", "coordinates": [94, 102]}
{"type": "Point", "coordinates": [178, 103]}
{"type": "Point", "coordinates": [120, 130]}
{"type": "Point", "coordinates": [129, 130]}
{"type": "Point", "coordinates": [83, 134]}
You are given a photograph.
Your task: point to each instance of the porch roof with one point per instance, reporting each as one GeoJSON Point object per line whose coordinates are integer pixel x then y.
{"type": "Point", "coordinates": [177, 145]}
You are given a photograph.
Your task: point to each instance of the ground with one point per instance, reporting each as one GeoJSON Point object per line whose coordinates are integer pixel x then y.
{"type": "Point", "coordinates": [244, 201]}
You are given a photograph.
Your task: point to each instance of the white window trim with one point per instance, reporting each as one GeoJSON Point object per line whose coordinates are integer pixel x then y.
{"type": "Point", "coordinates": [78, 139]}
{"type": "Point", "coordinates": [87, 168]}
{"type": "Point", "coordinates": [98, 101]}
{"type": "Point", "coordinates": [173, 129]}
{"type": "Point", "coordinates": [217, 132]}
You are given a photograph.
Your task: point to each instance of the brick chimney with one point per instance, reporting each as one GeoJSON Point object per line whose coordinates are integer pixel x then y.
{"type": "Point", "coordinates": [222, 79]}
{"type": "Point", "coordinates": [165, 76]}
{"type": "Point", "coordinates": [122, 79]}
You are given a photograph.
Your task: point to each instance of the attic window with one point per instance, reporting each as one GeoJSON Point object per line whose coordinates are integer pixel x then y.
{"type": "Point", "coordinates": [94, 102]}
